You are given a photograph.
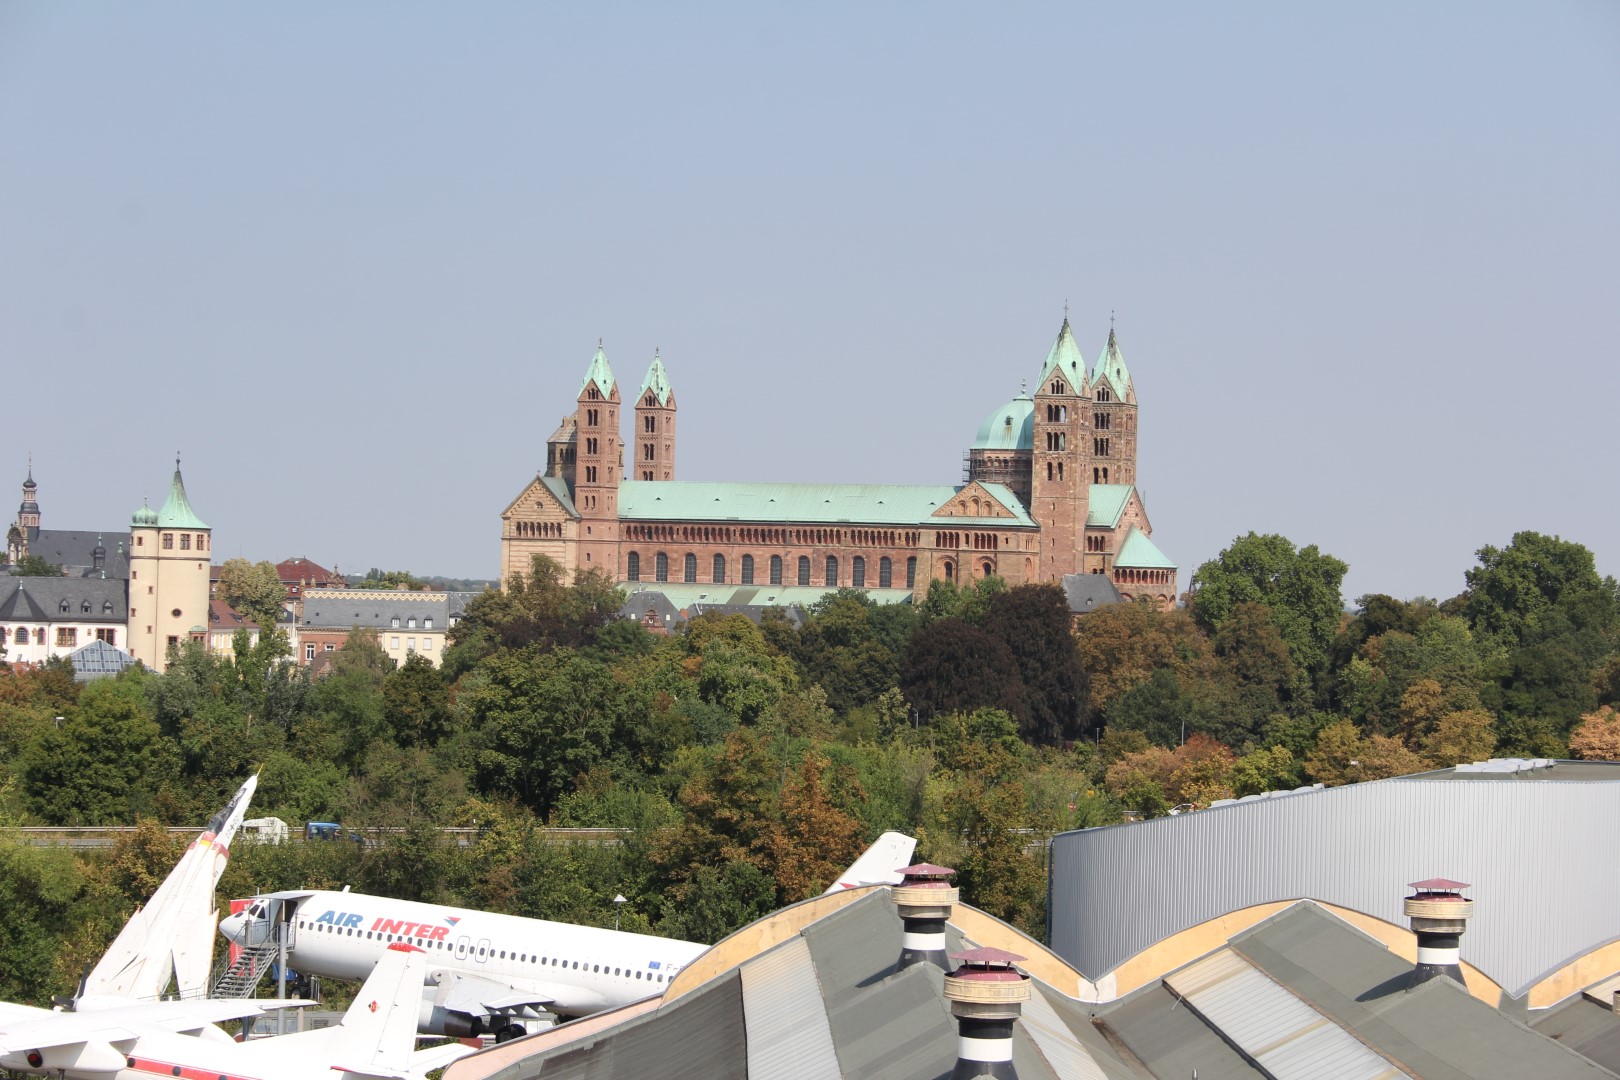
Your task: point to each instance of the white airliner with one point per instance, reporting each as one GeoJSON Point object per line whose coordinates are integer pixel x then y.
{"type": "Point", "coordinates": [376, 1037]}
{"type": "Point", "coordinates": [488, 972]}
{"type": "Point", "coordinates": [116, 1029]}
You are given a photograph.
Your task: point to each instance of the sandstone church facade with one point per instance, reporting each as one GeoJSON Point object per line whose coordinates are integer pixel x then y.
{"type": "Point", "coordinates": [1049, 491]}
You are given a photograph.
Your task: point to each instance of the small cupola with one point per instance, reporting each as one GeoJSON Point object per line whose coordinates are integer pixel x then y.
{"type": "Point", "coordinates": [1439, 914]}
{"type": "Point", "coordinates": [924, 897]}
{"type": "Point", "coordinates": [987, 995]}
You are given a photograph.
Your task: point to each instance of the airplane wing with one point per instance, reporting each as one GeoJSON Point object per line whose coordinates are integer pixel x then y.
{"type": "Point", "coordinates": [173, 934]}
{"type": "Point", "coordinates": [877, 863]}
{"type": "Point", "coordinates": [484, 997]}
{"type": "Point", "coordinates": [377, 1036]}
{"type": "Point", "coordinates": [96, 1041]}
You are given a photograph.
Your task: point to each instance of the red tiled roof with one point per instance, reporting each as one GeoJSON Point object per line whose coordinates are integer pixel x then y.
{"type": "Point", "coordinates": [224, 617]}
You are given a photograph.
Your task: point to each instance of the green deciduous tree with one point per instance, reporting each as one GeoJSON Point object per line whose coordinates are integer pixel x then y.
{"type": "Point", "coordinates": [1034, 621]}
{"type": "Point", "coordinates": [1300, 586]}
{"type": "Point", "coordinates": [254, 589]}
{"type": "Point", "coordinates": [35, 566]}
{"type": "Point", "coordinates": [1514, 590]}
{"type": "Point", "coordinates": [105, 763]}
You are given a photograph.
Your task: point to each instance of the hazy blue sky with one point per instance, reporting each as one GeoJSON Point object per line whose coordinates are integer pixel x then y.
{"type": "Point", "coordinates": [353, 258]}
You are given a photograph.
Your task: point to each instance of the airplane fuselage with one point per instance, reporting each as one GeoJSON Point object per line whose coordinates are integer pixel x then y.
{"type": "Point", "coordinates": [579, 969]}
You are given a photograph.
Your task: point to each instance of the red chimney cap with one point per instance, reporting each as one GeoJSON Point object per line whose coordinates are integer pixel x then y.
{"type": "Point", "coordinates": [987, 956]}
{"type": "Point", "coordinates": [1437, 884]}
{"type": "Point", "coordinates": [925, 869]}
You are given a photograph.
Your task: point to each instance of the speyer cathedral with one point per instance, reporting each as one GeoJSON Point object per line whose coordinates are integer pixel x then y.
{"type": "Point", "coordinates": [1050, 491]}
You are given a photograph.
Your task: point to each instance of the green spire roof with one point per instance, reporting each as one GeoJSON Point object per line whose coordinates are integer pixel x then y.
{"type": "Point", "coordinates": [599, 372]}
{"type": "Point", "coordinates": [657, 381]}
{"type": "Point", "coordinates": [1111, 366]}
{"type": "Point", "coordinates": [1139, 553]}
{"type": "Point", "coordinates": [1065, 358]}
{"type": "Point", "coordinates": [177, 512]}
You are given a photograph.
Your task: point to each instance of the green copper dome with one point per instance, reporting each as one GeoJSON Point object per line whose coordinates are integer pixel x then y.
{"type": "Point", "coordinates": [144, 518]}
{"type": "Point", "coordinates": [1011, 427]}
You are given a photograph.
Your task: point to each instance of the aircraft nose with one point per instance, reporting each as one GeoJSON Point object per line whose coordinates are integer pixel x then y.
{"type": "Point", "coordinates": [234, 927]}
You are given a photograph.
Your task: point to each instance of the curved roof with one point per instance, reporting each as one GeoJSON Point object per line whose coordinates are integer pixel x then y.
{"type": "Point", "coordinates": [1011, 427]}
{"type": "Point", "coordinates": [1521, 836]}
{"type": "Point", "coordinates": [145, 515]}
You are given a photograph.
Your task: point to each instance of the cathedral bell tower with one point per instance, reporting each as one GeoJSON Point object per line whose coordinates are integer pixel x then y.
{"type": "Point", "coordinates": [27, 518]}
{"type": "Point", "coordinates": [655, 426]}
{"type": "Point", "coordinates": [598, 465]}
{"type": "Point", "coordinates": [1060, 491]}
{"type": "Point", "coordinates": [1113, 421]}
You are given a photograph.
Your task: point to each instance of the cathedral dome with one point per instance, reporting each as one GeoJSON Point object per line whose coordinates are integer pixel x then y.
{"type": "Point", "coordinates": [1011, 427]}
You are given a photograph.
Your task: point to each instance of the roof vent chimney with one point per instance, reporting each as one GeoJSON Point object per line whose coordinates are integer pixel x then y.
{"type": "Point", "coordinates": [925, 897]}
{"type": "Point", "coordinates": [1439, 914]}
{"type": "Point", "coordinates": [986, 994]}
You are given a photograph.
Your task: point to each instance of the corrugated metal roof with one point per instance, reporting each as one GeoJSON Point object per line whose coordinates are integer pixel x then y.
{"type": "Point", "coordinates": [1283, 1034]}
{"type": "Point", "coordinates": [1056, 1042]}
{"type": "Point", "coordinates": [1119, 890]}
{"type": "Point", "coordinates": [788, 1035]}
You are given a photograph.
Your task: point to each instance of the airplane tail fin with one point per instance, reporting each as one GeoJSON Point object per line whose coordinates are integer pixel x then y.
{"type": "Point", "coordinates": [377, 1036]}
{"type": "Point", "coordinates": [878, 863]}
{"type": "Point", "coordinates": [174, 932]}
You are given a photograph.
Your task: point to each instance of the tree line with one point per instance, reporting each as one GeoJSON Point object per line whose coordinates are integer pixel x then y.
{"type": "Point", "coordinates": [744, 764]}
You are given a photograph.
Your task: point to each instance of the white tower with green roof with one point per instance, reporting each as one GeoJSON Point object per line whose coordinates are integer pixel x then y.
{"type": "Point", "coordinates": [655, 426]}
{"type": "Point", "coordinates": [169, 558]}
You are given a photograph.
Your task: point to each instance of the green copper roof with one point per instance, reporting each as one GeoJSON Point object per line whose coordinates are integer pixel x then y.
{"type": "Point", "coordinates": [1107, 502]}
{"type": "Point", "coordinates": [1111, 366]}
{"type": "Point", "coordinates": [657, 381]}
{"type": "Point", "coordinates": [1065, 357]}
{"type": "Point", "coordinates": [813, 504]}
{"type": "Point", "coordinates": [177, 512]}
{"type": "Point", "coordinates": [599, 373]}
{"type": "Point", "coordinates": [145, 516]}
{"type": "Point", "coordinates": [1011, 427]}
{"type": "Point", "coordinates": [1138, 553]}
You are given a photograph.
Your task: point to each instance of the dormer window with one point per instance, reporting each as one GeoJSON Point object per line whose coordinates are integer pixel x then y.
{"type": "Point", "coordinates": [410, 623]}
{"type": "Point", "coordinates": [427, 624]}
{"type": "Point", "coordinates": [63, 607]}
{"type": "Point", "coordinates": [106, 607]}
{"type": "Point", "coordinates": [84, 607]}
{"type": "Point", "coordinates": [393, 624]}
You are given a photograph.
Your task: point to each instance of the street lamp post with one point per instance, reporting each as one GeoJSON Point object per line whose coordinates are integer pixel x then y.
{"type": "Point", "coordinates": [618, 903]}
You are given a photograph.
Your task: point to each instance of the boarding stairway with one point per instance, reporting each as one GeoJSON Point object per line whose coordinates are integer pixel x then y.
{"type": "Point", "coordinates": [240, 979]}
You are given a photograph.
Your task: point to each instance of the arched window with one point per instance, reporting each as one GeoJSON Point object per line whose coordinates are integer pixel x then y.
{"type": "Point", "coordinates": [719, 569]}
{"type": "Point", "coordinates": [857, 572]}
{"type": "Point", "coordinates": [804, 569]}
{"type": "Point", "coordinates": [987, 570]}
{"type": "Point", "coordinates": [950, 572]}
{"type": "Point", "coordinates": [662, 567]}
{"type": "Point", "coordinates": [776, 569]}
{"type": "Point", "coordinates": [689, 567]}
{"type": "Point", "coordinates": [832, 571]}
{"type": "Point", "coordinates": [22, 635]}
{"type": "Point", "coordinates": [632, 566]}
{"type": "Point", "coordinates": [885, 573]}
{"type": "Point", "coordinates": [748, 570]}
{"type": "Point", "coordinates": [911, 572]}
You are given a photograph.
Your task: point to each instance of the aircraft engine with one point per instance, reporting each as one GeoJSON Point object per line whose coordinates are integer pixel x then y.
{"type": "Point", "coordinates": [437, 1020]}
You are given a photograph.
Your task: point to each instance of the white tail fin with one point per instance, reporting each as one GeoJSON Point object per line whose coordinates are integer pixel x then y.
{"type": "Point", "coordinates": [378, 1033]}
{"type": "Point", "coordinates": [878, 863]}
{"type": "Point", "coordinates": [174, 933]}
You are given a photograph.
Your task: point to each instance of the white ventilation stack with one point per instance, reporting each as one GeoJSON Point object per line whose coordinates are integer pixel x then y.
{"type": "Point", "coordinates": [925, 897]}
{"type": "Point", "coordinates": [987, 994]}
{"type": "Point", "coordinates": [1439, 914]}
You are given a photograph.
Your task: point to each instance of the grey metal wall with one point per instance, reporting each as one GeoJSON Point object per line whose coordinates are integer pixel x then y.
{"type": "Point", "coordinates": [1539, 854]}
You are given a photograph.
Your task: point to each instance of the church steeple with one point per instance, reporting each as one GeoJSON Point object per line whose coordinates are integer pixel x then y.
{"type": "Point", "coordinates": [655, 426]}
{"type": "Point", "coordinates": [177, 512]}
{"type": "Point", "coordinates": [1065, 361]}
{"type": "Point", "coordinates": [28, 512]}
{"type": "Point", "coordinates": [598, 464]}
{"type": "Point", "coordinates": [1059, 487]}
{"type": "Point", "coordinates": [1113, 443]}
